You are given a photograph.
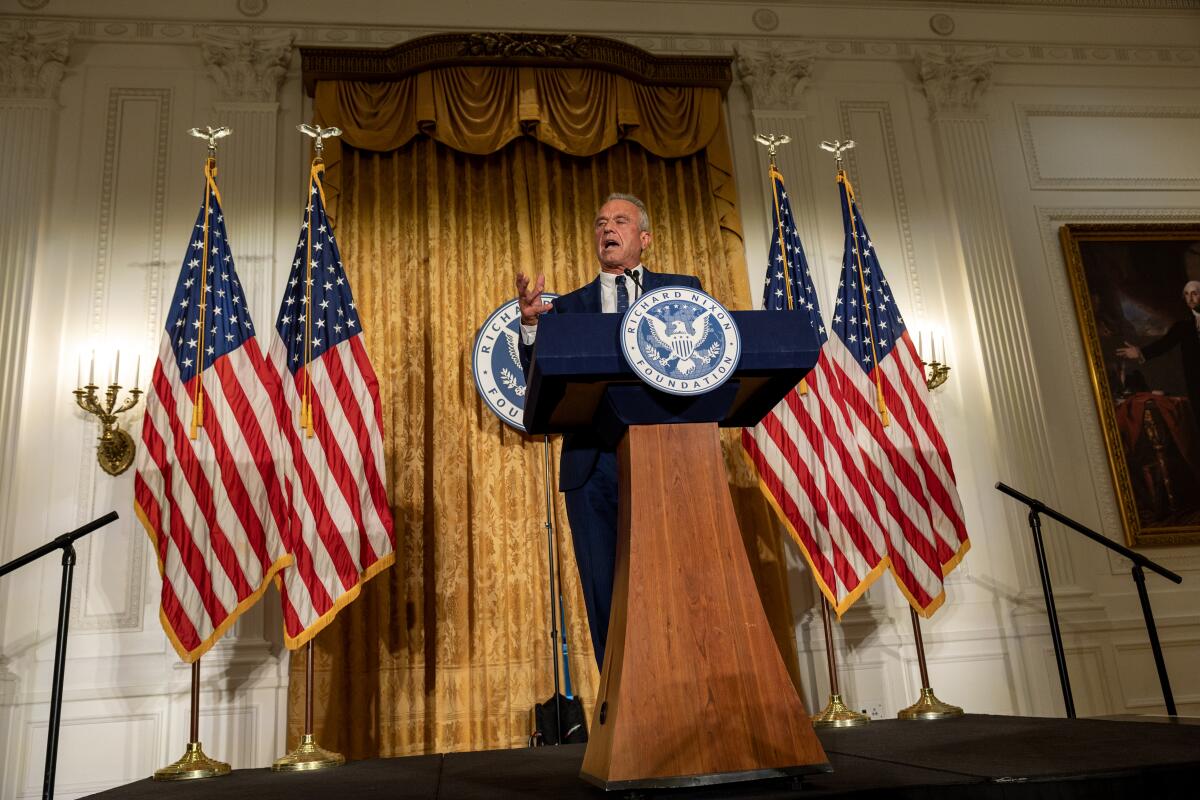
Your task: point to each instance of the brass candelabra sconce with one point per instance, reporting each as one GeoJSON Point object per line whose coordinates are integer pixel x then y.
{"type": "Point", "coordinates": [936, 372]}
{"type": "Point", "coordinates": [115, 447]}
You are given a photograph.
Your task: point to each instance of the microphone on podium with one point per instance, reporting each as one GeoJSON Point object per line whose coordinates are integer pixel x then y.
{"type": "Point", "coordinates": [633, 275]}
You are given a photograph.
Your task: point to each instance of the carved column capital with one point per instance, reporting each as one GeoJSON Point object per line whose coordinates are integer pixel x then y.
{"type": "Point", "coordinates": [775, 78]}
{"type": "Point", "coordinates": [246, 69]}
{"type": "Point", "coordinates": [32, 64]}
{"type": "Point", "coordinates": [955, 80]}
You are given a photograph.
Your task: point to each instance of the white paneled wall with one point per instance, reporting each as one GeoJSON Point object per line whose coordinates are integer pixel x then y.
{"type": "Point", "coordinates": [975, 143]}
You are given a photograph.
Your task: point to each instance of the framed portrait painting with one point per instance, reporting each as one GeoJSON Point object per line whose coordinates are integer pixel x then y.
{"type": "Point", "coordinates": [1137, 293]}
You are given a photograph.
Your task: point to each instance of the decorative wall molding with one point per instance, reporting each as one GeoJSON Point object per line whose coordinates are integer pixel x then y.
{"type": "Point", "coordinates": [121, 101]}
{"type": "Point", "coordinates": [246, 69]}
{"type": "Point", "coordinates": [1050, 219]}
{"type": "Point", "coordinates": [775, 79]}
{"type": "Point", "coordinates": [1026, 114]}
{"type": "Point", "coordinates": [955, 79]}
{"type": "Point", "coordinates": [108, 736]}
{"type": "Point", "coordinates": [100, 29]}
{"type": "Point", "coordinates": [32, 63]}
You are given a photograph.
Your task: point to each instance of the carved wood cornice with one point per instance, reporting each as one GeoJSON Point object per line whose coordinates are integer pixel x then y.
{"type": "Point", "coordinates": [512, 49]}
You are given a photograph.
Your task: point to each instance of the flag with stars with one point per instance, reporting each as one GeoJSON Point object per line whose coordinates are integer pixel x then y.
{"type": "Point", "coordinates": [883, 381]}
{"type": "Point", "coordinates": [207, 487]}
{"type": "Point", "coordinates": [343, 530]}
{"type": "Point", "coordinates": [805, 451]}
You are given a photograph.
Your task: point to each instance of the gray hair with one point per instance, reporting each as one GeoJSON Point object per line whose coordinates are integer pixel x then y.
{"type": "Point", "coordinates": [643, 214]}
{"type": "Point", "coordinates": [1191, 285]}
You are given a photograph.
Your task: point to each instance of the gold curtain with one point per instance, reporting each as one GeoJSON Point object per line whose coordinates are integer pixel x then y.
{"type": "Point", "coordinates": [449, 650]}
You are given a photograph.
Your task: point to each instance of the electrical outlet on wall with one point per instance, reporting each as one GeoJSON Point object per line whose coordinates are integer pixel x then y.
{"type": "Point", "coordinates": [874, 710]}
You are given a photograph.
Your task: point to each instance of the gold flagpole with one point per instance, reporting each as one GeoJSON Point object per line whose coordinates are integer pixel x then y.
{"type": "Point", "coordinates": [194, 763]}
{"type": "Point", "coordinates": [309, 755]}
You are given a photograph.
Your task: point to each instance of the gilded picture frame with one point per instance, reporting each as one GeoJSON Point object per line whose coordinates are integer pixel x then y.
{"type": "Point", "coordinates": [1137, 296]}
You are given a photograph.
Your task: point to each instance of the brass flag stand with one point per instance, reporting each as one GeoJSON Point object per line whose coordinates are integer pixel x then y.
{"type": "Point", "coordinates": [309, 755]}
{"type": "Point", "coordinates": [194, 763]}
{"type": "Point", "coordinates": [928, 707]}
{"type": "Point", "coordinates": [836, 713]}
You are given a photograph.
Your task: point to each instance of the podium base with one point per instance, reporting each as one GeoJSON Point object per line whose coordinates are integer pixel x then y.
{"type": "Point", "coordinates": [694, 690]}
{"type": "Point", "coordinates": [837, 714]}
{"type": "Point", "coordinates": [929, 708]}
{"type": "Point", "coordinates": [194, 764]}
{"type": "Point", "coordinates": [308, 755]}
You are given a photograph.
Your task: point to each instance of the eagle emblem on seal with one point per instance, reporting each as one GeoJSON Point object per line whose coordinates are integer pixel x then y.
{"type": "Point", "coordinates": [682, 343]}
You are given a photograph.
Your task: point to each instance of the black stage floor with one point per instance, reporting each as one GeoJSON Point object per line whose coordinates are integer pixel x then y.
{"type": "Point", "coordinates": [975, 756]}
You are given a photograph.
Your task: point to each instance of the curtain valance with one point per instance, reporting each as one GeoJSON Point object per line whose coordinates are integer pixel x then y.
{"type": "Point", "coordinates": [480, 109]}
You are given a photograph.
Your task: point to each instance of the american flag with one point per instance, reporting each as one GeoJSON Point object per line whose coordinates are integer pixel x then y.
{"type": "Point", "coordinates": [207, 486]}
{"type": "Point", "coordinates": [805, 451]}
{"type": "Point", "coordinates": [883, 380]}
{"type": "Point", "coordinates": [343, 532]}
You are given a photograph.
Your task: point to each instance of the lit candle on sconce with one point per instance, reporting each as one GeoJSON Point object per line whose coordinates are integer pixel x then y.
{"type": "Point", "coordinates": [115, 447]}
{"type": "Point", "coordinates": [934, 362]}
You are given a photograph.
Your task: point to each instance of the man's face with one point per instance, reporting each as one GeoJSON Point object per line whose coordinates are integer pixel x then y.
{"type": "Point", "coordinates": [1191, 296]}
{"type": "Point", "coordinates": [619, 239]}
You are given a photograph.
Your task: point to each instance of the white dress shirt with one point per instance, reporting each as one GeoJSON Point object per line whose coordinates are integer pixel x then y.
{"type": "Point", "coordinates": [608, 299]}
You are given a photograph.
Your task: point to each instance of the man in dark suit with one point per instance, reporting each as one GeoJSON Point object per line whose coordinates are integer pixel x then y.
{"type": "Point", "coordinates": [588, 468]}
{"type": "Point", "coordinates": [1184, 334]}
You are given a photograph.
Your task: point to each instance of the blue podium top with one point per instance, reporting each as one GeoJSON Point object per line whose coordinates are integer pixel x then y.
{"type": "Point", "coordinates": [579, 379]}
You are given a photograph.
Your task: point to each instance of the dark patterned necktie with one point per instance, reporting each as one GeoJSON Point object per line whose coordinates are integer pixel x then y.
{"type": "Point", "coordinates": [622, 295]}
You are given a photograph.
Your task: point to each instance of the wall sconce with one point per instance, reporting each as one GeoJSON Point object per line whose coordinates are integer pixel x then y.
{"type": "Point", "coordinates": [115, 447]}
{"type": "Point", "coordinates": [936, 372]}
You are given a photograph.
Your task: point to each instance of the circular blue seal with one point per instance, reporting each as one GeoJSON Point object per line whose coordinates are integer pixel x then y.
{"type": "Point", "coordinates": [680, 340]}
{"type": "Point", "coordinates": [496, 363]}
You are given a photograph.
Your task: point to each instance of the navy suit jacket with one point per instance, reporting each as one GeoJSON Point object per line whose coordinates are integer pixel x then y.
{"type": "Point", "coordinates": [581, 448]}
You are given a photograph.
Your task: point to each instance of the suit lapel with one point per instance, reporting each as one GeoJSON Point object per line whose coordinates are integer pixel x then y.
{"type": "Point", "coordinates": [589, 297]}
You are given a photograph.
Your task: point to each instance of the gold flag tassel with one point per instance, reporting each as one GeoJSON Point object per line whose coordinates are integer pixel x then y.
{"type": "Point", "coordinates": [210, 191]}
{"type": "Point", "coordinates": [862, 285]}
{"type": "Point", "coordinates": [314, 177]}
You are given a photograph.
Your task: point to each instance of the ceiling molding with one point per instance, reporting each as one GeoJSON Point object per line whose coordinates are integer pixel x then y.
{"type": "Point", "coordinates": [364, 37]}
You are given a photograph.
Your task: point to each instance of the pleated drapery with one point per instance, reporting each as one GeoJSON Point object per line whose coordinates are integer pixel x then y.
{"type": "Point", "coordinates": [446, 184]}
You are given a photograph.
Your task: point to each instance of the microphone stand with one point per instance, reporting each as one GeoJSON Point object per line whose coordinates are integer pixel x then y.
{"type": "Point", "coordinates": [65, 542]}
{"type": "Point", "coordinates": [554, 609]}
{"type": "Point", "coordinates": [1037, 507]}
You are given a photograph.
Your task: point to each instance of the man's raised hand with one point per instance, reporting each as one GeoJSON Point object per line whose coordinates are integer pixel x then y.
{"type": "Point", "coordinates": [529, 298]}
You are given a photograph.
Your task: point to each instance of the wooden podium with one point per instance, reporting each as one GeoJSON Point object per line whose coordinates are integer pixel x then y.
{"type": "Point", "coordinates": [693, 690]}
